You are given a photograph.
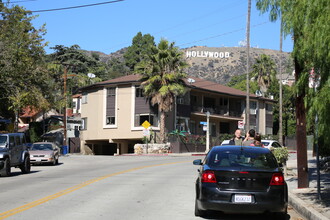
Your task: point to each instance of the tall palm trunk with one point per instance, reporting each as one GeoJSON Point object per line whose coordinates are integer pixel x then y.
{"type": "Point", "coordinates": [162, 126]}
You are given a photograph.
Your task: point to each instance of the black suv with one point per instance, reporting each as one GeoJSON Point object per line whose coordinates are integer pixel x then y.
{"type": "Point", "coordinates": [13, 153]}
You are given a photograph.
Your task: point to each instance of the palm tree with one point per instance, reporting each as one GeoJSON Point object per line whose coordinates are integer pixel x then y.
{"type": "Point", "coordinates": [264, 71]}
{"type": "Point", "coordinates": [163, 78]}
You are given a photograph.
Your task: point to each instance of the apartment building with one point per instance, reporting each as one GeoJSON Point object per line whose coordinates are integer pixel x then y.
{"type": "Point", "coordinates": [113, 111]}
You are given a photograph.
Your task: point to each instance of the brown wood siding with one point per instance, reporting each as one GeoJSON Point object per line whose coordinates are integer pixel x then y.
{"type": "Point", "coordinates": [142, 105]}
{"type": "Point", "coordinates": [183, 110]}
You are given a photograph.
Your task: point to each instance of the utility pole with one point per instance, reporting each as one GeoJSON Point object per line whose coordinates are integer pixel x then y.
{"type": "Point", "coordinates": [247, 109]}
{"type": "Point", "coordinates": [280, 130]}
{"type": "Point", "coordinates": [65, 100]}
{"type": "Point", "coordinates": [207, 132]}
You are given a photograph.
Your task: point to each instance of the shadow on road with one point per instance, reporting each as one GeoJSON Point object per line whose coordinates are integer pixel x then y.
{"type": "Point", "coordinates": [221, 216]}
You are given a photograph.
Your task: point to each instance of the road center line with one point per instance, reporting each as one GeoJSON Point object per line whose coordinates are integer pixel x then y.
{"type": "Point", "coordinates": [72, 189]}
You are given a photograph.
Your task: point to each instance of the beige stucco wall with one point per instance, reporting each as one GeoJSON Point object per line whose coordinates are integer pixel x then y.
{"type": "Point", "coordinates": [95, 112]}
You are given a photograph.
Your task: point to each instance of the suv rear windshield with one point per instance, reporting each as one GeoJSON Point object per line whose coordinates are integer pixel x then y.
{"type": "Point", "coordinates": [242, 159]}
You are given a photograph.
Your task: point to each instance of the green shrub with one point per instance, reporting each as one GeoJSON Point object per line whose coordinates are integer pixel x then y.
{"type": "Point", "coordinates": [281, 154]}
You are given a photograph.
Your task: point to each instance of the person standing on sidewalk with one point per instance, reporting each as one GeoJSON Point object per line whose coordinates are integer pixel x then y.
{"type": "Point", "coordinates": [249, 139]}
{"type": "Point", "coordinates": [237, 139]}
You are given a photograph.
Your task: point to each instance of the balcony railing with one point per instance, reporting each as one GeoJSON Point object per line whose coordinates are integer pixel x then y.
{"type": "Point", "coordinates": [216, 111]}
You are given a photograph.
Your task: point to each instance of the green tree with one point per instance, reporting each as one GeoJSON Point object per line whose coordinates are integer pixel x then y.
{"type": "Point", "coordinates": [22, 65]}
{"type": "Point", "coordinates": [239, 82]}
{"type": "Point", "coordinates": [163, 78]}
{"type": "Point", "coordinates": [139, 50]}
{"type": "Point", "coordinates": [264, 71]}
{"type": "Point", "coordinates": [307, 22]}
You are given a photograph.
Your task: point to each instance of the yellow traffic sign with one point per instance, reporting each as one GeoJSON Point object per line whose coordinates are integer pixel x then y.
{"type": "Point", "coordinates": [146, 124]}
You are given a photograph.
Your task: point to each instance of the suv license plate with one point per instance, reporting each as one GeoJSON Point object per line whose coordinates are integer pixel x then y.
{"type": "Point", "coordinates": [243, 198]}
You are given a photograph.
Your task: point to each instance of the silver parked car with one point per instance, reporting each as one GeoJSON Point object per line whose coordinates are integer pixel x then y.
{"type": "Point", "coordinates": [44, 153]}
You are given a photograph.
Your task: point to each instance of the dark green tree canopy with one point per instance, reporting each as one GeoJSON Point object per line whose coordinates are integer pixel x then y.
{"type": "Point", "coordinates": [139, 50]}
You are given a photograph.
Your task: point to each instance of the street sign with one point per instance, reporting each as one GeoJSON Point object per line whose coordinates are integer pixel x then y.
{"type": "Point", "coordinates": [146, 132]}
{"type": "Point", "coordinates": [203, 123]}
{"type": "Point", "coordinates": [146, 124]}
{"type": "Point", "coordinates": [240, 124]}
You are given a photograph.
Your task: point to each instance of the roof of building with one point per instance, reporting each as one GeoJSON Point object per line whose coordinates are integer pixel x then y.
{"type": "Point", "coordinates": [192, 82]}
{"type": "Point", "coordinates": [28, 112]}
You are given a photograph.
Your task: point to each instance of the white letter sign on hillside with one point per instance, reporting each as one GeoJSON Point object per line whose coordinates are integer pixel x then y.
{"type": "Point", "coordinates": [207, 54]}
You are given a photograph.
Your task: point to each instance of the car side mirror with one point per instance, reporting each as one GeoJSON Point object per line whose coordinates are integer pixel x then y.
{"type": "Point", "coordinates": [197, 162]}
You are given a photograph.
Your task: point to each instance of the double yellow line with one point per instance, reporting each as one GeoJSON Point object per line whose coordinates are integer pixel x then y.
{"type": "Point", "coordinates": [72, 189]}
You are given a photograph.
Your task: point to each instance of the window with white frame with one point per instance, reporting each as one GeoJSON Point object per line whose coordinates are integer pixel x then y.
{"type": "Point", "coordinates": [111, 120]}
{"type": "Point", "coordinates": [84, 98]}
{"type": "Point", "coordinates": [151, 118]}
{"type": "Point", "coordinates": [111, 92]}
{"type": "Point", "coordinates": [253, 107]}
{"type": "Point", "coordinates": [138, 92]}
{"type": "Point", "coordinates": [83, 124]}
{"type": "Point", "coordinates": [180, 100]}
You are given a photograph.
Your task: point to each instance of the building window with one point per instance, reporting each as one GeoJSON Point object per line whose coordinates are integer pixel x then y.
{"type": "Point", "coordinates": [180, 100]}
{"type": "Point", "coordinates": [269, 108]}
{"type": "Point", "coordinates": [192, 127]}
{"type": "Point", "coordinates": [223, 102]}
{"type": "Point", "coordinates": [181, 125]}
{"type": "Point", "coordinates": [111, 92]}
{"type": "Point", "coordinates": [83, 124]}
{"type": "Point", "coordinates": [213, 129]}
{"type": "Point", "coordinates": [111, 120]}
{"type": "Point", "coordinates": [84, 98]}
{"type": "Point", "coordinates": [140, 118]}
{"type": "Point", "coordinates": [253, 108]}
{"type": "Point", "coordinates": [138, 92]}
{"type": "Point", "coordinates": [193, 99]}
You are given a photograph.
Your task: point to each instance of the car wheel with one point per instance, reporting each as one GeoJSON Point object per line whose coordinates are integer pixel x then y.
{"type": "Point", "coordinates": [6, 171]}
{"type": "Point", "coordinates": [280, 216]}
{"type": "Point", "coordinates": [54, 161]}
{"type": "Point", "coordinates": [26, 166]}
{"type": "Point", "coordinates": [199, 212]}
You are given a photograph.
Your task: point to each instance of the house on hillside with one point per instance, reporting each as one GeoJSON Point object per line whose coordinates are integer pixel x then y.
{"type": "Point", "coordinates": [30, 114]}
{"type": "Point", "coordinates": [113, 111]}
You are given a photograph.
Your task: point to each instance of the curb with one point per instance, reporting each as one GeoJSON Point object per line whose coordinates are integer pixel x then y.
{"type": "Point", "coordinates": [304, 209]}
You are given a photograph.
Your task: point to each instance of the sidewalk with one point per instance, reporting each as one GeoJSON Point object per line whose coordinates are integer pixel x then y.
{"type": "Point", "coordinates": [305, 201]}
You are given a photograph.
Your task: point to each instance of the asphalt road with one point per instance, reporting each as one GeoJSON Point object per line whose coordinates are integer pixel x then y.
{"type": "Point", "coordinates": [107, 187]}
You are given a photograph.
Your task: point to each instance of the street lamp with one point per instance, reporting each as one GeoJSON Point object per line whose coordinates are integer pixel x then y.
{"type": "Point", "coordinates": [207, 132]}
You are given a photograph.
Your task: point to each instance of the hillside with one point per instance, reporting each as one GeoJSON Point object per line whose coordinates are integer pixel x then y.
{"type": "Point", "coordinates": [217, 64]}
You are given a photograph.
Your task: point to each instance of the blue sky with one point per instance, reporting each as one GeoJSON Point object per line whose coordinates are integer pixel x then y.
{"type": "Point", "coordinates": [110, 27]}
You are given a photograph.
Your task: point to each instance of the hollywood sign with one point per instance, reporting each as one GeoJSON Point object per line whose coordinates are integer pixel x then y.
{"type": "Point", "coordinates": [209, 54]}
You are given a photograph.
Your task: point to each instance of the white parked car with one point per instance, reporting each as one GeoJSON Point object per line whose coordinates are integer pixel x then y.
{"type": "Point", "coordinates": [271, 144]}
{"type": "Point", "coordinates": [225, 142]}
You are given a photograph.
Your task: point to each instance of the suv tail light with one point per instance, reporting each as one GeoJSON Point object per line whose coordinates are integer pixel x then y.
{"type": "Point", "coordinates": [208, 177]}
{"type": "Point", "coordinates": [277, 179]}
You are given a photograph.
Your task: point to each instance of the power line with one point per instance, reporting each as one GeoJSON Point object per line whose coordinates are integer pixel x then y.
{"type": "Point", "coordinates": [74, 7]}
{"type": "Point", "coordinates": [223, 34]}
{"type": "Point", "coordinates": [205, 27]}
{"type": "Point", "coordinates": [196, 18]}
{"type": "Point", "coordinates": [20, 1]}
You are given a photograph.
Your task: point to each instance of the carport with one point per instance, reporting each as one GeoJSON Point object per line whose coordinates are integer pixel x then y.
{"type": "Point", "coordinates": [102, 147]}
